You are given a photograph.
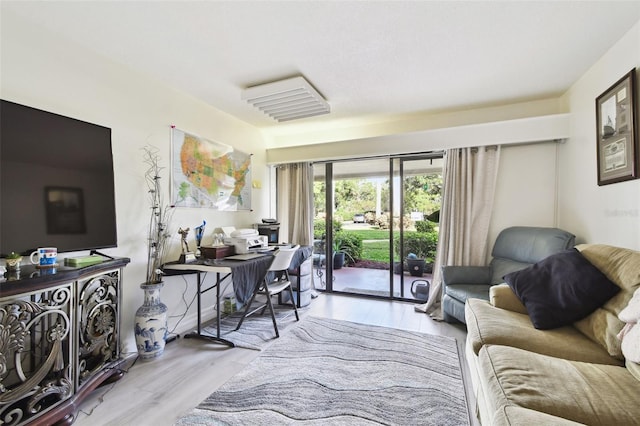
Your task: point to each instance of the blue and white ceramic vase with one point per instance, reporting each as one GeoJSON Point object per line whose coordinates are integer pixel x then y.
{"type": "Point", "coordinates": [151, 323]}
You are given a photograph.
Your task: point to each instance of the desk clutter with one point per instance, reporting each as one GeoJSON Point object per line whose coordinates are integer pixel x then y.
{"type": "Point", "coordinates": [231, 241]}
{"type": "Point", "coordinates": [245, 275]}
{"type": "Point", "coordinates": [229, 305]}
{"type": "Point", "coordinates": [217, 252]}
{"type": "Point", "coordinates": [235, 242]}
{"type": "Point", "coordinates": [246, 240]}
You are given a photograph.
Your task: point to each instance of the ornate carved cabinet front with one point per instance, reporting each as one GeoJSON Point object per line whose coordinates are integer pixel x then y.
{"type": "Point", "coordinates": [99, 324]}
{"type": "Point", "coordinates": [35, 353]}
{"type": "Point", "coordinates": [59, 340]}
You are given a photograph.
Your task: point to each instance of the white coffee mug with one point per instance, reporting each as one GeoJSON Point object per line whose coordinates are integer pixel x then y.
{"type": "Point", "coordinates": [44, 256]}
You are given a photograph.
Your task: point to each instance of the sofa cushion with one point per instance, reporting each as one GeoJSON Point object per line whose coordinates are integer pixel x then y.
{"type": "Point", "coordinates": [634, 368]}
{"type": "Point", "coordinates": [561, 289]}
{"type": "Point", "coordinates": [502, 296]}
{"type": "Point", "coordinates": [488, 325]}
{"type": "Point", "coordinates": [594, 394]}
{"type": "Point", "coordinates": [622, 266]}
{"type": "Point", "coordinates": [512, 415]}
{"type": "Point", "coordinates": [462, 292]}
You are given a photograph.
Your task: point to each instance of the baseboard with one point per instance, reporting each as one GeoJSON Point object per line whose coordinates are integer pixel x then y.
{"type": "Point", "coordinates": [190, 321]}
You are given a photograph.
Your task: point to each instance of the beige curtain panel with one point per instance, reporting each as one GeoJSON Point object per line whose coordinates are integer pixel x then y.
{"type": "Point", "coordinates": [294, 184]}
{"type": "Point", "coordinates": [469, 180]}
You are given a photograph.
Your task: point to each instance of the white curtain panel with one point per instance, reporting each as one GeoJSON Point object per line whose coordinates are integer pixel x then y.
{"type": "Point", "coordinates": [469, 180]}
{"type": "Point", "coordinates": [295, 203]}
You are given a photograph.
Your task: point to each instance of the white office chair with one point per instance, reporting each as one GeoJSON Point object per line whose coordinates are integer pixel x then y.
{"type": "Point", "coordinates": [274, 283]}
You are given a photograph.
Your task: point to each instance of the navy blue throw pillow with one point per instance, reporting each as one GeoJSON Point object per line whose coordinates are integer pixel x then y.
{"type": "Point", "coordinates": [561, 289]}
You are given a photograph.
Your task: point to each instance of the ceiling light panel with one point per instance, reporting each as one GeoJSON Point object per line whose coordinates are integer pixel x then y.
{"type": "Point", "coordinates": [287, 100]}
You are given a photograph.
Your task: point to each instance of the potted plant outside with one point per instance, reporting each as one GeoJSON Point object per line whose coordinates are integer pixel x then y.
{"type": "Point", "coordinates": [415, 265]}
{"type": "Point", "coordinates": [348, 246]}
{"type": "Point", "coordinates": [338, 254]}
{"type": "Point", "coordinates": [419, 251]}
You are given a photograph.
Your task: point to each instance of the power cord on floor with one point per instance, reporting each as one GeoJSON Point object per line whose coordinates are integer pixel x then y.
{"type": "Point", "coordinates": [107, 388]}
{"type": "Point", "coordinates": [171, 335]}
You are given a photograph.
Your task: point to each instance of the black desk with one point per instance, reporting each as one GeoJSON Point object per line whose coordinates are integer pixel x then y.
{"type": "Point", "coordinates": [244, 273]}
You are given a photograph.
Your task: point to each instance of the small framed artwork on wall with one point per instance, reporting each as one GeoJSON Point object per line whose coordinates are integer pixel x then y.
{"type": "Point", "coordinates": [617, 136]}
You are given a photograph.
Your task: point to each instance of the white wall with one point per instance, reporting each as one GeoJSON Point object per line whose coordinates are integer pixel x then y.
{"type": "Point", "coordinates": [39, 69]}
{"type": "Point", "coordinates": [607, 214]}
{"type": "Point", "coordinates": [525, 189]}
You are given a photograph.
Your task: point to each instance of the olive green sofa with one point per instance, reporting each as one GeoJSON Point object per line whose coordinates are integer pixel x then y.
{"type": "Point", "coordinates": [574, 374]}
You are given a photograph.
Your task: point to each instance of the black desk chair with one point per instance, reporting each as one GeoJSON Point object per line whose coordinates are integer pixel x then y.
{"type": "Point", "coordinates": [275, 282]}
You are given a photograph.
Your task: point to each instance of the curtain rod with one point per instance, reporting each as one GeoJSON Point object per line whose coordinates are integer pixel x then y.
{"type": "Point", "coordinates": [418, 155]}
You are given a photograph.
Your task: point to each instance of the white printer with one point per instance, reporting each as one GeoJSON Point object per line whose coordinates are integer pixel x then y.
{"type": "Point", "coordinates": [246, 240]}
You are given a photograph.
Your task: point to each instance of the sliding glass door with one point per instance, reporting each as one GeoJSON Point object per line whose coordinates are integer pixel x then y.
{"type": "Point", "coordinates": [351, 202]}
{"type": "Point", "coordinates": [418, 183]}
{"type": "Point", "coordinates": [366, 212]}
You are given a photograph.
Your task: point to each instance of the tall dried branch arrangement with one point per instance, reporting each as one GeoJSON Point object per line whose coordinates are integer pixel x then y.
{"type": "Point", "coordinates": [158, 235]}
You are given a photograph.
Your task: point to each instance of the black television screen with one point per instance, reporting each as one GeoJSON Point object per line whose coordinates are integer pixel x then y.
{"type": "Point", "coordinates": [56, 182]}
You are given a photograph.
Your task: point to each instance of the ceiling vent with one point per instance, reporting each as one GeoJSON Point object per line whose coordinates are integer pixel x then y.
{"type": "Point", "coordinates": [288, 99]}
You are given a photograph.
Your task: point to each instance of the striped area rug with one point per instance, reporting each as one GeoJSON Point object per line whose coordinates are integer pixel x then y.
{"type": "Point", "coordinates": [257, 330]}
{"type": "Point", "coordinates": [325, 371]}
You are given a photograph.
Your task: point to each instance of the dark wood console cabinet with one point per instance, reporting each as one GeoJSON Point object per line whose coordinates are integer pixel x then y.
{"type": "Point", "coordinates": [59, 339]}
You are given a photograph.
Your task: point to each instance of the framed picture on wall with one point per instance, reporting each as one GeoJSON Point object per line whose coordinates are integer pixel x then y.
{"type": "Point", "coordinates": [617, 138]}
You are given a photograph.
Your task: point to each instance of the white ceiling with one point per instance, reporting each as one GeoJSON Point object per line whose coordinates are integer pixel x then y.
{"type": "Point", "coordinates": [372, 60]}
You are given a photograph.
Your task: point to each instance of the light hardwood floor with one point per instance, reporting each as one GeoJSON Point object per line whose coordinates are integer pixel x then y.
{"type": "Point", "coordinates": [158, 392]}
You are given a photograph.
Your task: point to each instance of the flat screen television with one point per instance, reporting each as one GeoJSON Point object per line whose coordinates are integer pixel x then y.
{"type": "Point", "coordinates": [56, 182]}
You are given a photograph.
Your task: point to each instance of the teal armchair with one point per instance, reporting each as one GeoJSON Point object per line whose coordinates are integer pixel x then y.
{"type": "Point", "coordinates": [515, 248]}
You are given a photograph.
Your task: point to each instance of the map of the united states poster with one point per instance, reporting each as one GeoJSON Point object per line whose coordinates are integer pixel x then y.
{"type": "Point", "coordinates": [209, 174]}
